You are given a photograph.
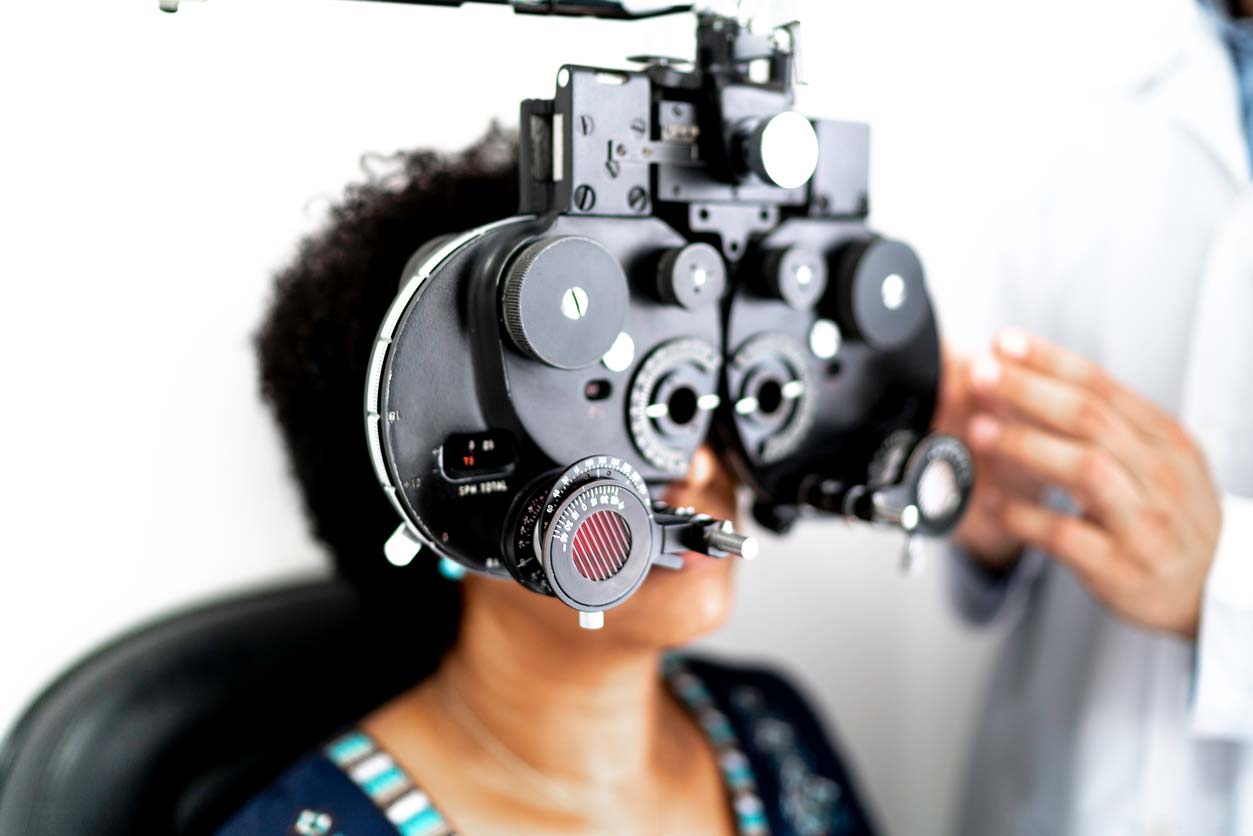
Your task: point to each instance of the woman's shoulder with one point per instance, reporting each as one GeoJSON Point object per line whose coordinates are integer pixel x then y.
{"type": "Point", "coordinates": [349, 787]}
{"type": "Point", "coordinates": [805, 785]}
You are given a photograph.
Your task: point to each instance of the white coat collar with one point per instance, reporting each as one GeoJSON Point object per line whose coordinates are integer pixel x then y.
{"type": "Point", "coordinates": [1194, 81]}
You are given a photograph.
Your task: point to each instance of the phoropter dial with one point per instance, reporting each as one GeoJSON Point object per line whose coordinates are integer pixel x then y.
{"type": "Point", "coordinates": [584, 535]}
{"type": "Point", "coordinates": [771, 390]}
{"type": "Point", "coordinates": [589, 534]}
{"type": "Point", "coordinates": [923, 490]}
{"type": "Point", "coordinates": [938, 479]}
{"type": "Point", "coordinates": [671, 402]}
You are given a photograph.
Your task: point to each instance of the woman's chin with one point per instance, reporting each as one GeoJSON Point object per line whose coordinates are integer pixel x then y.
{"type": "Point", "coordinates": [673, 607]}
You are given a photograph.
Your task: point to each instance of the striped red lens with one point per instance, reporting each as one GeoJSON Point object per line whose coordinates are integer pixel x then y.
{"type": "Point", "coordinates": [602, 544]}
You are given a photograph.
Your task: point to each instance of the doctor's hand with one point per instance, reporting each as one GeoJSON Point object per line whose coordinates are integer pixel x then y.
{"type": "Point", "coordinates": [1151, 513]}
{"type": "Point", "coordinates": [981, 532]}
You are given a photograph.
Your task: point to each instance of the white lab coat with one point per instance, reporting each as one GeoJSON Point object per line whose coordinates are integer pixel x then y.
{"type": "Point", "coordinates": [1141, 258]}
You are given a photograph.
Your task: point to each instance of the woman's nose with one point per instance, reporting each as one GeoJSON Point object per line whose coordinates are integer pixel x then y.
{"type": "Point", "coordinates": [703, 470]}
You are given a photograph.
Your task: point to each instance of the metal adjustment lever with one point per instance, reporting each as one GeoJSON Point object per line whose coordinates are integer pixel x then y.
{"type": "Point", "coordinates": [721, 540]}
{"type": "Point", "coordinates": [618, 9]}
{"type": "Point", "coordinates": [684, 530]}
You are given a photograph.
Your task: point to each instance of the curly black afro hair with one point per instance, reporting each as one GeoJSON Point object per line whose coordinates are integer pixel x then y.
{"type": "Point", "coordinates": [314, 343]}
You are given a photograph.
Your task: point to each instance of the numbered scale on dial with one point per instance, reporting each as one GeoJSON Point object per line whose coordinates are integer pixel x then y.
{"type": "Point", "coordinates": [589, 535]}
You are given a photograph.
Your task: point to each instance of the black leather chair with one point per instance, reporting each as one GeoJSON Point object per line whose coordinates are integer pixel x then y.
{"type": "Point", "coordinates": [170, 728]}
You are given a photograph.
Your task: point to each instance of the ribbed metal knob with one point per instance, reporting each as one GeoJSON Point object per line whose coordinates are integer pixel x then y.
{"type": "Point", "coordinates": [564, 301]}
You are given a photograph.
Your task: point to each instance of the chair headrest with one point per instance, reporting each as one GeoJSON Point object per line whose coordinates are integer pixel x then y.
{"type": "Point", "coordinates": [172, 727]}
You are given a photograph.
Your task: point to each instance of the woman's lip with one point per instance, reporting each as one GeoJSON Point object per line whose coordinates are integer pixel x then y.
{"type": "Point", "coordinates": [695, 560]}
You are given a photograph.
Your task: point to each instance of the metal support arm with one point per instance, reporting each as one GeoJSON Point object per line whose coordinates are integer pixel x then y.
{"type": "Point", "coordinates": [617, 9]}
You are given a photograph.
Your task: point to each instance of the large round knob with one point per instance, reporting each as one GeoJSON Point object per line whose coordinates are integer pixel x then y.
{"type": "Point", "coordinates": [882, 295]}
{"type": "Point", "coordinates": [783, 150]}
{"type": "Point", "coordinates": [565, 299]}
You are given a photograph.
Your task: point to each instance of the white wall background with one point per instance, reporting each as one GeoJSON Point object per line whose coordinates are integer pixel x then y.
{"type": "Point", "coordinates": [155, 169]}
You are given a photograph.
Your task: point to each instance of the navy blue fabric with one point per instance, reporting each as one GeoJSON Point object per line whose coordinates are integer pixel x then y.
{"type": "Point", "coordinates": [803, 784]}
{"type": "Point", "coordinates": [313, 787]}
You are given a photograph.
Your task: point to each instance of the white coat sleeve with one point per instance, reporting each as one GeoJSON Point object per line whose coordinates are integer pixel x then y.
{"type": "Point", "coordinates": [1217, 399]}
{"type": "Point", "coordinates": [982, 597]}
{"type": "Point", "coordinates": [1223, 698]}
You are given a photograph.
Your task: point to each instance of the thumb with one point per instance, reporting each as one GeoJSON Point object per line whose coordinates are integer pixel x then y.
{"type": "Point", "coordinates": [953, 402]}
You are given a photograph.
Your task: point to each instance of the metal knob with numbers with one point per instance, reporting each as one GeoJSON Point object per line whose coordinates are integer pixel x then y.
{"type": "Point", "coordinates": [589, 535]}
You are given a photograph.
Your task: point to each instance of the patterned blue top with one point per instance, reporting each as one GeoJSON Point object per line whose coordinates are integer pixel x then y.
{"type": "Point", "coordinates": [782, 774]}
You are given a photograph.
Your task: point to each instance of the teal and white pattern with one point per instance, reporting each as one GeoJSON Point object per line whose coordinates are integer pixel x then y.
{"type": "Point", "coordinates": [387, 785]}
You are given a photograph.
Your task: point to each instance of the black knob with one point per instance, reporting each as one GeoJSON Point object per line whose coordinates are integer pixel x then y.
{"type": "Point", "coordinates": [882, 294]}
{"type": "Point", "coordinates": [782, 150]}
{"type": "Point", "coordinates": [694, 276]}
{"type": "Point", "coordinates": [564, 301]}
{"type": "Point", "coordinates": [778, 518]}
{"type": "Point", "coordinates": [796, 275]}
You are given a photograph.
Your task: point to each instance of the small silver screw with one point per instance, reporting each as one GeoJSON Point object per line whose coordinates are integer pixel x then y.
{"type": "Point", "coordinates": [637, 199]}
{"type": "Point", "coordinates": [584, 198]}
{"type": "Point", "coordinates": [574, 303]}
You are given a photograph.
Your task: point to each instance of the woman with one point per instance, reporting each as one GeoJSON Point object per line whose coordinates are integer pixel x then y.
{"type": "Point", "coordinates": [524, 725]}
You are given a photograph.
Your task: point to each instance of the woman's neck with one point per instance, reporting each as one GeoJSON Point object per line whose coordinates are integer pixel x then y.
{"type": "Point", "coordinates": [532, 726]}
{"type": "Point", "coordinates": [587, 712]}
